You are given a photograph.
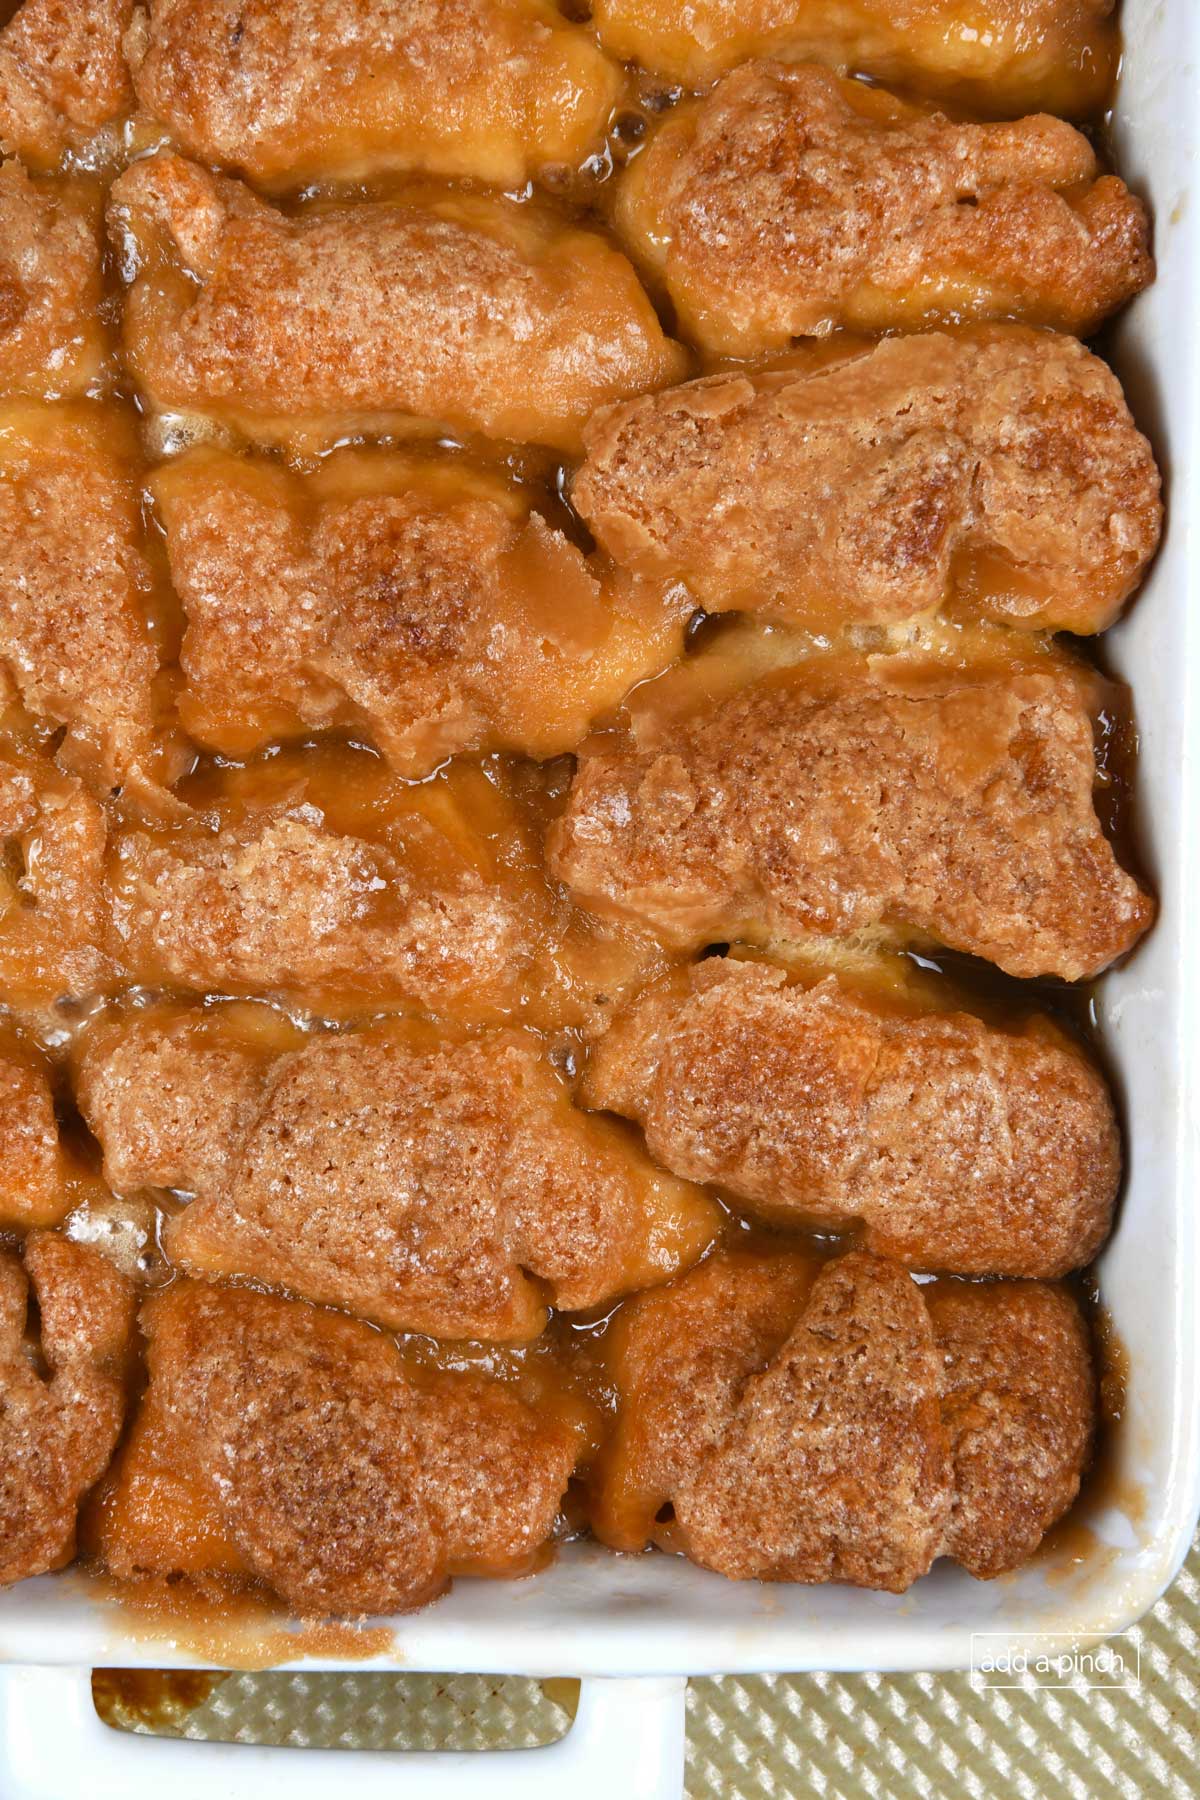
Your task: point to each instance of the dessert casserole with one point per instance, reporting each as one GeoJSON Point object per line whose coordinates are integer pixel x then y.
{"type": "Point", "coordinates": [560, 800]}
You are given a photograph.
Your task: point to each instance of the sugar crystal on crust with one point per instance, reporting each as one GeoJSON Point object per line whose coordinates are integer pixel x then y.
{"type": "Point", "coordinates": [350, 1481]}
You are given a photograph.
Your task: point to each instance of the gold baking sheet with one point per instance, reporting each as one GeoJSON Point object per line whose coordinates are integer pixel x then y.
{"type": "Point", "coordinates": [898, 1737]}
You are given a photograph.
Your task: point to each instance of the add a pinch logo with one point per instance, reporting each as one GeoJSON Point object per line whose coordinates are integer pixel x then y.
{"type": "Point", "coordinates": [1055, 1660]}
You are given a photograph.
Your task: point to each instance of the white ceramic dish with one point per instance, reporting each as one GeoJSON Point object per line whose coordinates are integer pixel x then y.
{"type": "Point", "coordinates": [597, 1615]}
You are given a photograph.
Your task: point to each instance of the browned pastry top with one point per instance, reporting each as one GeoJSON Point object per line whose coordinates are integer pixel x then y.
{"type": "Point", "coordinates": [997, 468]}
{"type": "Point", "coordinates": [349, 1481]}
{"type": "Point", "coordinates": [33, 1187]}
{"type": "Point", "coordinates": [415, 598]}
{"type": "Point", "coordinates": [51, 342]}
{"type": "Point", "coordinates": [954, 1145]}
{"type": "Point", "coordinates": [795, 807]}
{"type": "Point", "coordinates": [493, 89]}
{"type": "Point", "coordinates": [788, 202]}
{"type": "Point", "coordinates": [57, 1430]}
{"type": "Point", "coordinates": [1014, 56]}
{"type": "Point", "coordinates": [424, 1179]}
{"type": "Point", "coordinates": [778, 1422]}
{"type": "Point", "coordinates": [74, 638]}
{"type": "Point", "coordinates": [54, 927]}
{"type": "Point", "coordinates": [62, 74]}
{"type": "Point", "coordinates": [261, 316]}
{"type": "Point", "coordinates": [1018, 1406]}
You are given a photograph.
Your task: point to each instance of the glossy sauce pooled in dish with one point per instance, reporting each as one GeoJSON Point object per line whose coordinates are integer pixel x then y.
{"type": "Point", "coordinates": [492, 1049]}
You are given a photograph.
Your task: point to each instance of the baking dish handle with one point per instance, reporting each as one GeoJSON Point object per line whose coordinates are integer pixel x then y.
{"type": "Point", "coordinates": [627, 1742]}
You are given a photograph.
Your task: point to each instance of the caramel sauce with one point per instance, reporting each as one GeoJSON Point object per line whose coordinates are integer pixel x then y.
{"type": "Point", "coordinates": [1075, 1543]}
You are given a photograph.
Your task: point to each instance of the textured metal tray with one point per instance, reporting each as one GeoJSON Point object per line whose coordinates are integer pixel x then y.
{"type": "Point", "coordinates": [940, 1737]}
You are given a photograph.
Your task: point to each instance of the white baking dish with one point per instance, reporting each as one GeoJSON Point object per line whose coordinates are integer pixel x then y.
{"type": "Point", "coordinates": [594, 1614]}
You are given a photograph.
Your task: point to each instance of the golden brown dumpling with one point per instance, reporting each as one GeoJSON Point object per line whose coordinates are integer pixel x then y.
{"type": "Point", "coordinates": [75, 637]}
{"type": "Point", "coordinates": [283, 1442]}
{"type": "Point", "coordinates": [52, 338]}
{"type": "Point", "coordinates": [60, 1411]}
{"type": "Point", "coordinates": [791, 1421]}
{"type": "Point", "coordinates": [953, 805]}
{"type": "Point", "coordinates": [62, 75]}
{"type": "Point", "coordinates": [388, 300]}
{"type": "Point", "coordinates": [948, 1142]}
{"type": "Point", "coordinates": [422, 1178]}
{"type": "Point", "coordinates": [497, 90]}
{"type": "Point", "coordinates": [413, 599]}
{"type": "Point", "coordinates": [787, 203]}
{"type": "Point", "coordinates": [994, 471]}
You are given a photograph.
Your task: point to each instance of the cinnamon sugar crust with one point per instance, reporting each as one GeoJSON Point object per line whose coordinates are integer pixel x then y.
{"type": "Point", "coordinates": [679, 1361]}
{"type": "Point", "coordinates": [317, 876]}
{"type": "Point", "coordinates": [426, 1180]}
{"type": "Point", "coordinates": [780, 1422]}
{"type": "Point", "coordinates": [57, 1430]}
{"type": "Point", "coordinates": [997, 468]}
{"type": "Point", "coordinates": [962, 811]}
{"type": "Point", "coordinates": [314, 876]}
{"type": "Point", "coordinates": [833, 1466]}
{"type": "Point", "coordinates": [788, 202]}
{"type": "Point", "coordinates": [33, 1188]}
{"type": "Point", "coordinates": [170, 1093]}
{"type": "Point", "coordinates": [950, 1144]}
{"type": "Point", "coordinates": [279, 901]}
{"type": "Point", "coordinates": [52, 343]}
{"type": "Point", "coordinates": [1014, 56]}
{"type": "Point", "coordinates": [62, 75]}
{"type": "Point", "coordinates": [347, 1480]}
{"type": "Point", "coordinates": [1019, 1409]}
{"type": "Point", "coordinates": [416, 600]}
{"type": "Point", "coordinates": [375, 312]}
{"type": "Point", "coordinates": [54, 914]}
{"type": "Point", "coordinates": [498, 90]}
{"type": "Point", "coordinates": [74, 639]}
